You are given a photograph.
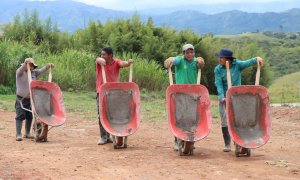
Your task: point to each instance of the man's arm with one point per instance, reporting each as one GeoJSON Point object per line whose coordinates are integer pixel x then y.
{"type": "Point", "coordinates": [125, 63]}
{"type": "Point", "coordinates": [244, 64]}
{"type": "Point", "coordinates": [44, 69]}
{"type": "Point", "coordinates": [172, 61]}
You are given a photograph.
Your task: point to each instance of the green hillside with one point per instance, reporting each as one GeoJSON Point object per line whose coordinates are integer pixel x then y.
{"type": "Point", "coordinates": [280, 49]}
{"type": "Point", "coordinates": [286, 89]}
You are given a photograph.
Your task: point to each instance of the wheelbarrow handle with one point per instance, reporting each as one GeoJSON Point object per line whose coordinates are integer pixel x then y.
{"type": "Point", "coordinates": [228, 75]}
{"type": "Point", "coordinates": [170, 75]}
{"type": "Point", "coordinates": [50, 75]}
{"type": "Point", "coordinates": [103, 73]}
{"type": "Point", "coordinates": [257, 74]}
{"type": "Point", "coordinates": [30, 92]}
{"type": "Point", "coordinates": [130, 73]}
{"type": "Point", "coordinates": [199, 76]}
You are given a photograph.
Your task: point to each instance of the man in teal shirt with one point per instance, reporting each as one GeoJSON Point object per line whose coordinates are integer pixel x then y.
{"type": "Point", "coordinates": [236, 68]}
{"type": "Point", "coordinates": [186, 68]}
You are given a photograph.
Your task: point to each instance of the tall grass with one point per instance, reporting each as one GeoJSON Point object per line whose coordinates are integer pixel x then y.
{"type": "Point", "coordinates": [74, 69]}
{"type": "Point", "coordinates": [146, 73]}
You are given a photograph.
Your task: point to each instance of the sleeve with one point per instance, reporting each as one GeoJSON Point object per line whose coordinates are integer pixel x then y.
{"type": "Point", "coordinates": [41, 71]}
{"type": "Point", "coordinates": [244, 64]}
{"type": "Point", "coordinates": [177, 61]}
{"type": "Point", "coordinates": [219, 84]}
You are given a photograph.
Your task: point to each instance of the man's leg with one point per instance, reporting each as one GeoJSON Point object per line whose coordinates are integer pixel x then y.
{"type": "Point", "coordinates": [225, 132]}
{"type": "Point", "coordinates": [28, 117]}
{"type": "Point", "coordinates": [19, 119]}
{"type": "Point", "coordinates": [103, 134]}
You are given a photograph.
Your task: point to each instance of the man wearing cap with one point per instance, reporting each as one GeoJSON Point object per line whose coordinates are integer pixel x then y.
{"type": "Point", "coordinates": [23, 96]}
{"type": "Point", "coordinates": [236, 68]}
{"type": "Point", "coordinates": [112, 66]}
{"type": "Point", "coordinates": [186, 69]}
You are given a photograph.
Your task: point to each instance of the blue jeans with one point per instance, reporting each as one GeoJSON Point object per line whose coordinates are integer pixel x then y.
{"type": "Point", "coordinates": [222, 111]}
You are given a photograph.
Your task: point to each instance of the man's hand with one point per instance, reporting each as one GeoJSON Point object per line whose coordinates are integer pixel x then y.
{"type": "Point", "coordinates": [130, 61]}
{"type": "Point", "coordinates": [50, 65]}
{"type": "Point", "coordinates": [169, 62]}
{"type": "Point", "coordinates": [100, 61]}
{"type": "Point", "coordinates": [28, 61]}
{"type": "Point", "coordinates": [260, 60]}
{"type": "Point", "coordinates": [223, 101]}
{"type": "Point", "coordinates": [200, 62]}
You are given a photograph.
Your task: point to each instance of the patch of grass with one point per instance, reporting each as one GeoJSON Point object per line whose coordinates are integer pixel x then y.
{"type": "Point", "coordinates": [286, 89]}
{"type": "Point", "coordinates": [83, 104]}
{"type": "Point", "coordinates": [7, 102]}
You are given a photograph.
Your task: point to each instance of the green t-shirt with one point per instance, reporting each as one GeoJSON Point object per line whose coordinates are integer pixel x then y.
{"type": "Point", "coordinates": [185, 71]}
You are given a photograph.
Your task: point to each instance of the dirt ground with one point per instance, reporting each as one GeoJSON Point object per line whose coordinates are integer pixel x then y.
{"type": "Point", "coordinates": [72, 153]}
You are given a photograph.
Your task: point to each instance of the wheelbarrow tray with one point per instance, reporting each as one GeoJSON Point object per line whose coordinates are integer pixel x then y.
{"type": "Point", "coordinates": [188, 111]}
{"type": "Point", "coordinates": [248, 115]}
{"type": "Point", "coordinates": [119, 108]}
{"type": "Point", "coordinates": [48, 103]}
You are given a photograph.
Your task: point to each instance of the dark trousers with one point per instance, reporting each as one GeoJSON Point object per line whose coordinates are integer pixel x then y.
{"type": "Point", "coordinates": [22, 114]}
{"type": "Point", "coordinates": [103, 134]}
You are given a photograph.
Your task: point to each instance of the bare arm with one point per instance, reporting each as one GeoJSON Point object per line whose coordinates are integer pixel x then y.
{"type": "Point", "coordinates": [126, 63]}
{"type": "Point", "coordinates": [44, 69]}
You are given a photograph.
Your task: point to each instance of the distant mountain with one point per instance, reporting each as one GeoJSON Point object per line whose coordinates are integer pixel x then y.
{"type": "Point", "coordinates": [261, 7]}
{"type": "Point", "coordinates": [232, 22]}
{"type": "Point", "coordinates": [71, 15]}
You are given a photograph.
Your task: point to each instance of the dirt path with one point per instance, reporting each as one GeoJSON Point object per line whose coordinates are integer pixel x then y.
{"type": "Point", "coordinates": [72, 153]}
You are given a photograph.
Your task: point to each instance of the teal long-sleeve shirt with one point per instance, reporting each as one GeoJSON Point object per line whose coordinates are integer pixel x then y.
{"type": "Point", "coordinates": [236, 69]}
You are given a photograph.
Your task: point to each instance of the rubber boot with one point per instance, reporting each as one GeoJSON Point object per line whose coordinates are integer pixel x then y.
{"type": "Point", "coordinates": [18, 130]}
{"type": "Point", "coordinates": [27, 129]}
{"type": "Point", "coordinates": [227, 139]}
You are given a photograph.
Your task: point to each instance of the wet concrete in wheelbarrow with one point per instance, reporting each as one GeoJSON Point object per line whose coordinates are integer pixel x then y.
{"type": "Point", "coordinates": [72, 153]}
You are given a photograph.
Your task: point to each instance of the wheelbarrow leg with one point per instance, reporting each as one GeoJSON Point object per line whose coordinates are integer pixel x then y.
{"type": "Point", "coordinates": [125, 142]}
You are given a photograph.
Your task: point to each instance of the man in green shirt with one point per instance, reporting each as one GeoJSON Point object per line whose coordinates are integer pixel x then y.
{"type": "Point", "coordinates": [186, 68]}
{"type": "Point", "coordinates": [236, 67]}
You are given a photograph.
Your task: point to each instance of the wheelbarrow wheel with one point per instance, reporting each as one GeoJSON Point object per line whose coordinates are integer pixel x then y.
{"type": "Point", "coordinates": [119, 141]}
{"type": "Point", "coordinates": [188, 147]}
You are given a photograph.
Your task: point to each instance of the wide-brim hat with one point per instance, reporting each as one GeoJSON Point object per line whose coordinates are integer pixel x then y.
{"type": "Point", "coordinates": [224, 52]}
{"type": "Point", "coordinates": [34, 65]}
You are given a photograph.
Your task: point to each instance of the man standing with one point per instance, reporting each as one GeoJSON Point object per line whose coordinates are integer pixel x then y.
{"type": "Point", "coordinates": [186, 69]}
{"type": "Point", "coordinates": [23, 95]}
{"type": "Point", "coordinates": [111, 66]}
{"type": "Point", "coordinates": [236, 68]}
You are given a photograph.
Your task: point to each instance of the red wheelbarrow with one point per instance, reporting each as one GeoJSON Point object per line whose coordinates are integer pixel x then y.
{"type": "Point", "coordinates": [119, 109]}
{"type": "Point", "coordinates": [248, 115]}
{"type": "Point", "coordinates": [188, 112]}
{"type": "Point", "coordinates": [46, 104]}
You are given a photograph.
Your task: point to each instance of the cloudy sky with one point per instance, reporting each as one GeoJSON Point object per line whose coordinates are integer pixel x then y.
{"type": "Point", "coordinates": [146, 4]}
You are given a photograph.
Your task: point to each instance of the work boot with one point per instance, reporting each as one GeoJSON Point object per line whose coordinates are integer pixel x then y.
{"type": "Point", "coordinates": [227, 139]}
{"type": "Point", "coordinates": [18, 130]}
{"type": "Point", "coordinates": [176, 145]}
{"type": "Point", "coordinates": [102, 141]}
{"type": "Point", "coordinates": [27, 129]}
